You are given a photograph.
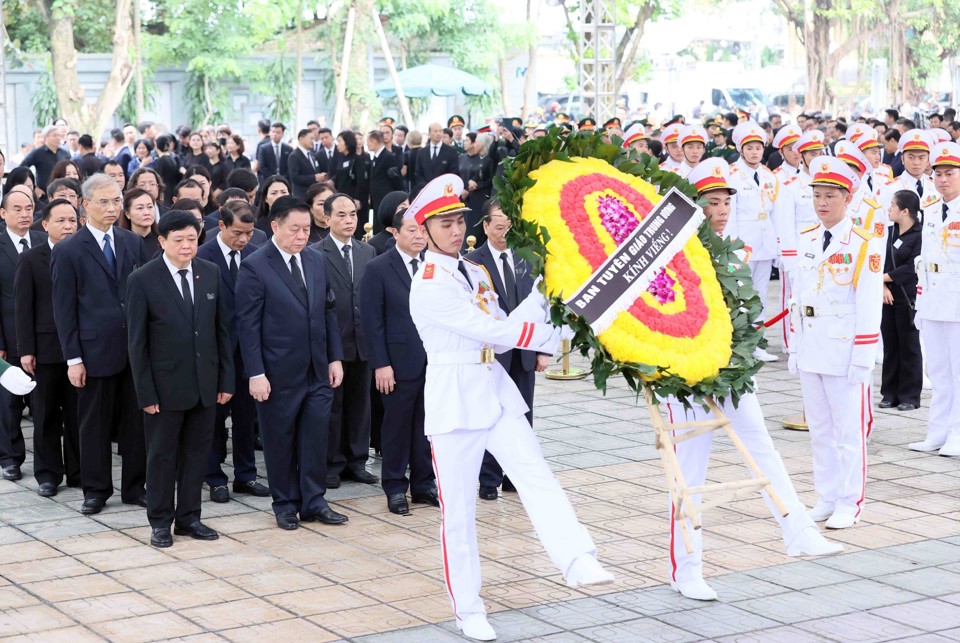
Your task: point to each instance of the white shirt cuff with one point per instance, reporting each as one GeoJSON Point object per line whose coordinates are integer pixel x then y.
{"type": "Point", "coordinates": [74, 361]}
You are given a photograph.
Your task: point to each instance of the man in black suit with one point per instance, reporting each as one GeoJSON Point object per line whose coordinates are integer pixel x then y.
{"type": "Point", "coordinates": [384, 174]}
{"type": "Point", "coordinates": [396, 354]}
{"type": "Point", "coordinates": [89, 162]}
{"type": "Point", "coordinates": [327, 153]}
{"type": "Point", "coordinates": [182, 362]}
{"type": "Point", "coordinates": [434, 159]}
{"type": "Point", "coordinates": [16, 210]}
{"type": "Point", "coordinates": [350, 418]}
{"type": "Point", "coordinates": [90, 271]}
{"type": "Point", "coordinates": [290, 343]}
{"type": "Point", "coordinates": [54, 405]}
{"type": "Point", "coordinates": [512, 281]}
{"type": "Point", "coordinates": [229, 247]}
{"type": "Point", "coordinates": [235, 196]}
{"type": "Point", "coordinates": [303, 170]}
{"type": "Point", "coordinates": [272, 155]}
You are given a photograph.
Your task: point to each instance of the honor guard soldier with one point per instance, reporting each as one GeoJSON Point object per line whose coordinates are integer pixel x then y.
{"type": "Point", "coordinates": [471, 404]}
{"type": "Point", "coordinates": [800, 534]}
{"type": "Point", "coordinates": [456, 125]}
{"type": "Point", "coordinates": [785, 142]}
{"type": "Point", "coordinates": [750, 220]}
{"type": "Point", "coordinates": [835, 327]}
{"type": "Point", "coordinates": [940, 135]}
{"type": "Point", "coordinates": [636, 137]}
{"type": "Point", "coordinates": [587, 124]}
{"type": "Point", "coordinates": [693, 144]}
{"type": "Point", "coordinates": [914, 150]}
{"type": "Point", "coordinates": [868, 140]}
{"type": "Point", "coordinates": [864, 210]}
{"type": "Point", "coordinates": [938, 300]}
{"type": "Point", "coordinates": [669, 138]}
{"type": "Point", "coordinates": [613, 127]}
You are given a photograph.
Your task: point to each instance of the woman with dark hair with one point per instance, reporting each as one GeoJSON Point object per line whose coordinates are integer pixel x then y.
{"type": "Point", "coordinates": [315, 196]}
{"type": "Point", "coordinates": [350, 175]}
{"type": "Point", "coordinates": [272, 189]}
{"type": "Point", "coordinates": [214, 164]}
{"type": "Point", "coordinates": [902, 378]}
{"type": "Point", "coordinates": [168, 168]}
{"type": "Point", "coordinates": [235, 158]}
{"type": "Point", "coordinates": [139, 215]}
{"type": "Point", "coordinates": [141, 158]}
{"type": "Point", "coordinates": [193, 155]}
{"type": "Point", "coordinates": [201, 175]}
{"type": "Point", "coordinates": [146, 178]}
{"type": "Point", "coordinates": [66, 169]}
{"type": "Point", "coordinates": [477, 168]}
{"type": "Point", "coordinates": [196, 209]}
{"type": "Point", "coordinates": [21, 176]}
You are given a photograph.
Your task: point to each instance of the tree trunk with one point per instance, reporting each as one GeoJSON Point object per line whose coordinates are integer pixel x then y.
{"type": "Point", "coordinates": [296, 99]}
{"type": "Point", "coordinates": [530, 77]}
{"type": "Point", "coordinates": [504, 97]}
{"type": "Point", "coordinates": [361, 98]}
{"type": "Point", "coordinates": [817, 40]}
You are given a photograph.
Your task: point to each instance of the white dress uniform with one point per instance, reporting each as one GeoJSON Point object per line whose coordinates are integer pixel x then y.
{"type": "Point", "coordinates": [670, 134]}
{"type": "Point", "coordinates": [864, 209]}
{"type": "Point", "coordinates": [751, 220]}
{"type": "Point", "coordinates": [835, 327]}
{"type": "Point", "coordinates": [938, 310]}
{"type": "Point", "coordinates": [913, 140]}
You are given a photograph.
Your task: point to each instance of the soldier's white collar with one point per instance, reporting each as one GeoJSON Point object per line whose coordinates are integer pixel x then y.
{"type": "Point", "coordinates": [444, 261]}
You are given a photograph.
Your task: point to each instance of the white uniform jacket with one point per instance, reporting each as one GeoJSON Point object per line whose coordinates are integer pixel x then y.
{"type": "Point", "coordinates": [867, 213]}
{"type": "Point", "coordinates": [751, 209]}
{"type": "Point", "coordinates": [938, 289]}
{"type": "Point", "coordinates": [907, 182]}
{"type": "Point", "coordinates": [837, 299]}
{"type": "Point", "coordinates": [792, 212]}
{"type": "Point", "coordinates": [456, 322]}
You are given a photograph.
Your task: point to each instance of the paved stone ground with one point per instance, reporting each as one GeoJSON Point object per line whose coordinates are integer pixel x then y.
{"type": "Point", "coordinates": [68, 577]}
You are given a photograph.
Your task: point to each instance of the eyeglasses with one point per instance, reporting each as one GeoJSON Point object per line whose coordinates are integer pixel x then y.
{"type": "Point", "coordinates": [117, 202]}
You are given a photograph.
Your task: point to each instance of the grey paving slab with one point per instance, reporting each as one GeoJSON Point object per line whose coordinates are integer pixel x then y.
{"type": "Point", "coordinates": [927, 552]}
{"type": "Point", "coordinates": [930, 581]}
{"type": "Point", "coordinates": [739, 587]}
{"type": "Point", "coordinates": [642, 630]}
{"type": "Point", "coordinates": [786, 634]}
{"type": "Point", "coordinates": [717, 620]}
{"type": "Point", "coordinates": [801, 575]}
{"type": "Point", "coordinates": [579, 613]}
{"type": "Point", "coordinates": [929, 615]}
{"type": "Point", "coordinates": [859, 627]}
{"type": "Point", "coordinates": [862, 594]}
{"type": "Point", "coordinates": [651, 602]}
{"type": "Point", "coordinates": [426, 633]}
{"type": "Point", "coordinates": [793, 607]}
{"type": "Point", "coordinates": [868, 563]}
{"type": "Point", "coordinates": [517, 626]}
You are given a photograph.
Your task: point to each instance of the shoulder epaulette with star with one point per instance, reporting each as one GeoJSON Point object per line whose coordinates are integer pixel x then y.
{"type": "Point", "coordinates": [810, 229]}
{"type": "Point", "coordinates": [863, 234]}
{"type": "Point", "coordinates": [791, 179]}
{"type": "Point", "coordinates": [734, 169]}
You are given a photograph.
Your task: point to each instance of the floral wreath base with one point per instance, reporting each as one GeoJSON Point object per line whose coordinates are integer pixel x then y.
{"type": "Point", "coordinates": [530, 241]}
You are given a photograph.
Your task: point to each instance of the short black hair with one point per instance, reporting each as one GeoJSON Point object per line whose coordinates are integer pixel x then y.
{"type": "Point", "coordinates": [402, 128]}
{"type": "Point", "coordinates": [242, 178]}
{"type": "Point", "coordinates": [278, 124]}
{"type": "Point", "coordinates": [489, 206]}
{"type": "Point", "coordinates": [908, 123]}
{"type": "Point", "coordinates": [949, 114]}
{"type": "Point", "coordinates": [176, 220]}
{"type": "Point", "coordinates": [85, 141]}
{"type": "Point", "coordinates": [144, 126]}
{"type": "Point", "coordinates": [235, 211]}
{"type": "Point", "coordinates": [47, 211]}
{"type": "Point", "coordinates": [398, 219]}
{"type": "Point", "coordinates": [110, 162]}
{"type": "Point", "coordinates": [304, 132]}
{"type": "Point", "coordinates": [840, 126]}
{"type": "Point", "coordinates": [164, 142]}
{"type": "Point", "coordinates": [954, 125]}
{"type": "Point", "coordinates": [198, 169]}
{"type": "Point", "coordinates": [187, 183]}
{"type": "Point", "coordinates": [325, 130]}
{"type": "Point", "coordinates": [376, 135]}
{"type": "Point", "coordinates": [263, 125]}
{"type": "Point", "coordinates": [328, 204]}
{"type": "Point", "coordinates": [892, 134]}
{"type": "Point", "coordinates": [284, 205]}
{"type": "Point", "coordinates": [116, 135]}
{"type": "Point", "coordinates": [186, 205]}
{"type": "Point", "coordinates": [232, 193]}
{"type": "Point", "coordinates": [313, 122]}
{"type": "Point", "coordinates": [892, 113]}
{"type": "Point", "coordinates": [53, 186]}
{"type": "Point", "coordinates": [448, 132]}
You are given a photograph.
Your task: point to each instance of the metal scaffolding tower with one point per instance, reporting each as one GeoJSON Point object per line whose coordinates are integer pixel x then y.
{"type": "Point", "coordinates": [598, 63]}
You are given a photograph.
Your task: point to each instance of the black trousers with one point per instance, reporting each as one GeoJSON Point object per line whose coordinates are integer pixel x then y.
{"type": "Point", "coordinates": [376, 416]}
{"type": "Point", "coordinates": [103, 403]}
{"type": "Point", "coordinates": [349, 435]}
{"type": "Point", "coordinates": [293, 427]}
{"type": "Point", "coordinates": [491, 474]}
{"type": "Point", "coordinates": [404, 442]}
{"type": "Point", "coordinates": [54, 408]}
{"type": "Point", "coordinates": [902, 375]}
{"type": "Point", "coordinates": [12, 448]}
{"type": "Point", "coordinates": [242, 409]}
{"type": "Point", "coordinates": [177, 445]}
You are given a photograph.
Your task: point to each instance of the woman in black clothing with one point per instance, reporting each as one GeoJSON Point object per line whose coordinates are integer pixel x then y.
{"type": "Point", "coordinates": [168, 167]}
{"type": "Point", "coordinates": [272, 189]}
{"type": "Point", "coordinates": [350, 175]}
{"type": "Point", "coordinates": [139, 215]}
{"type": "Point", "coordinates": [194, 154]}
{"type": "Point", "coordinates": [235, 158]}
{"type": "Point", "coordinates": [315, 196]}
{"type": "Point", "coordinates": [214, 164]}
{"type": "Point", "coordinates": [902, 377]}
{"type": "Point", "coordinates": [477, 168]}
{"type": "Point", "coordinates": [201, 175]}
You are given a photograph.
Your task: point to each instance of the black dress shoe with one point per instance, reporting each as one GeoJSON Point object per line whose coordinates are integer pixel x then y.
{"type": "Point", "coordinates": [12, 472]}
{"type": "Point", "coordinates": [220, 493]}
{"type": "Point", "coordinates": [47, 489]}
{"type": "Point", "coordinates": [907, 406]}
{"type": "Point", "coordinates": [252, 488]}
{"type": "Point", "coordinates": [507, 485]}
{"type": "Point", "coordinates": [397, 504]}
{"type": "Point", "coordinates": [488, 493]}
{"type": "Point", "coordinates": [361, 475]}
{"type": "Point", "coordinates": [139, 502]}
{"type": "Point", "coordinates": [428, 498]}
{"type": "Point", "coordinates": [333, 482]}
{"type": "Point", "coordinates": [287, 521]}
{"type": "Point", "coordinates": [92, 506]}
{"type": "Point", "coordinates": [196, 530]}
{"type": "Point", "coordinates": [327, 516]}
{"type": "Point", "coordinates": [160, 537]}
{"type": "Point", "coordinates": [886, 404]}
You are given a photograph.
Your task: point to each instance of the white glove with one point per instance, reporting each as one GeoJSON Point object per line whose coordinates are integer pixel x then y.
{"type": "Point", "coordinates": [567, 333]}
{"type": "Point", "coordinates": [16, 381]}
{"type": "Point", "coordinates": [859, 374]}
{"type": "Point", "coordinates": [792, 364]}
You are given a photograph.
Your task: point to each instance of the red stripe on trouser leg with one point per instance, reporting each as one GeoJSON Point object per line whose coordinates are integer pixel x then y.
{"type": "Point", "coordinates": [673, 522]}
{"type": "Point", "coordinates": [869, 409]}
{"type": "Point", "coordinates": [864, 402]}
{"type": "Point", "coordinates": [784, 302]}
{"type": "Point", "coordinates": [443, 533]}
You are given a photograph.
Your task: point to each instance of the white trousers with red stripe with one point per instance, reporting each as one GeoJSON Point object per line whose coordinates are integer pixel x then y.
{"type": "Point", "coordinates": [840, 417]}
{"type": "Point", "coordinates": [943, 369]}
{"type": "Point", "coordinates": [760, 272]}
{"type": "Point", "coordinates": [456, 461]}
{"type": "Point", "coordinates": [694, 455]}
{"type": "Point", "coordinates": [786, 292]}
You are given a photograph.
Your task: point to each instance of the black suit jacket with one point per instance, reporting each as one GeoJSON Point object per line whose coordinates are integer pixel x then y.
{"type": "Point", "coordinates": [282, 333]}
{"type": "Point", "coordinates": [427, 169]}
{"type": "Point", "coordinates": [347, 292]}
{"type": "Point", "coordinates": [211, 225]}
{"type": "Point", "coordinates": [302, 171]}
{"type": "Point", "coordinates": [10, 258]}
{"type": "Point", "coordinates": [485, 257]}
{"type": "Point", "coordinates": [382, 241]}
{"type": "Point", "coordinates": [178, 356]}
{"type": "Point", "coordinates": [33, 290]}
{"type": "Point", "coordinates": [268, 163]}
{"type": "Point", "coordinates": [389, 333]}
{"type": "Point", "coordinates": [384, 178]}
{"type": "Point", "coordinates": [210, 251]}
{"type": "Point", "coordinates": [328, 165]}
{"type": "Point", "coordinates": [89, 302]}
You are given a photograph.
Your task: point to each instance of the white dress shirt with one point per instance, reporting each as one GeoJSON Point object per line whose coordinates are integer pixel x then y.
{"type": "Point", "coordinates": [407, 259]}
{"type": "Point", "coordinates": [499, 262]}
{"type": "Point", "coordinates": [340, 249]}
{"type": "Point", "coordinates": [16, 240]}
{"type": "Point", "coordinates": [226, 250]}
{"type": "Point", "coordinates": [286, 260]}
{"type": "Point", "coordinates": [175, 273]}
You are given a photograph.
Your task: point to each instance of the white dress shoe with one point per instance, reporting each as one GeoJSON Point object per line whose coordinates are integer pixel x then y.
{"type": "Point", "coordinates": [810, 542]}
{"type": "Point", "coordinates": [585, 570]}
{"type": "Point", "coordinates": [926, 446]}
{"type": "Point", "coordinates": [842, 518]}
{"type": "Point", "coordinates": [950, 448]}
{"type": "Point", "coordinates": [475, 627]}
{"type": "Point", "coordinates": [696, 588]}
{"type": "Point", "coordinates": [764, 356]}
{"type": "Point", "coordinates": [821, 511]}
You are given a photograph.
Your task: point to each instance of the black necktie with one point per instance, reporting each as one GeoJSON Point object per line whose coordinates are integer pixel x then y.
{"type": "Point", "coordinates": [826, 239]}
{"type": "Point", "coordinates": [414, 264]}
{"type": "Point", "coordinates": [944, 211]}
{"type": "Point", "coordinates": [870, 183]}
{"type": "Point", "coordinates": [276, 151]}
{"type": "Point", "coordinates": [112, 258]}
{"type": "Point", "coordinates": [919, 188]}
{"type": "Point", "coordinates": [329, 155]}
{"type": "Point", "coordinates": [509, 281]}
{"type": "Point", "coordinates": [463, 271]}
{"type": "Point", "coordinates": [346, 261]}
{"type": "Point", "coordinates": [297, 276]}
{"type": "Point", "coordinates": [433, 152]}
{"type": "Point", "coordinates": [756, 178]}
{"type": "Point", "coordinates": [185, 287]}
{"type": "Point", "coordinates": [234, 268]}
{"type": "Point", "coordinates": [23, 246]}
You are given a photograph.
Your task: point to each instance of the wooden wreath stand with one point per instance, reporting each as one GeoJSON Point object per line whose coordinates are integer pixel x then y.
{"type": "Point", "coordinates": [713, 494]}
